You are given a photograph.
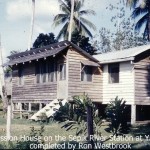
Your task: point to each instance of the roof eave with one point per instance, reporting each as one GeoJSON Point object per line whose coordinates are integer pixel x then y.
{"type": "Point", "coordinates": [117, 60]}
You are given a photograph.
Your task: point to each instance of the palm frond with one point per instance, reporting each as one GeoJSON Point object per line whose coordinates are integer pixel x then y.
{"type": "Point", "coordinates": [146, 30]}
{"type": "Point", "coordinates": [63, 31]}
{"type": "Point", "coordinates": [85, 31]}
{"type": "Point", "coordinates": [138, 11]}
{"type": "Point", "coordinates": [60, 19]}
{"type": "Point", "coordinates": [64, 7]}
{"type": "Point", "coordinates": [78, 5]}
{"type": "Point", "coordinates": [132, 3]}
{"type": "Point", "coordinates": [87, 22]}
{"type": "Point", "coordinates": [140, 23]}
{"type": "Point", "coordinates": [87, 12]}
{"type": "Point", "coordinates": [82, 28]}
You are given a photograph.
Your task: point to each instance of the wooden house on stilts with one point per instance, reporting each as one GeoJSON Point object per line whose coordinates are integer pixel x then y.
{"type": "Point", "coordinates": [56, 72]}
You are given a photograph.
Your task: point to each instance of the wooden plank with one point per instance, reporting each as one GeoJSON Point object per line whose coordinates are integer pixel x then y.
{"type": "Point", "coordinates": [76, 86]}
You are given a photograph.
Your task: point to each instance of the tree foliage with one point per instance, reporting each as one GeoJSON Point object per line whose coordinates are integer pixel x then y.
{"type": "Point", "coordinates": [80, 23]}
{"type": "Point", "coordinates": [123, 37]}
{"type": "Point", "coordinates": [83, 42]}
{"type": "Point", "coordinates": [44, 39]}
{"type": "Point", "coordinates": [141, 8]}
{"type": "Point", "coordinates": [78, 119]}
{"type": "Point", "coordinates": [117, 115]}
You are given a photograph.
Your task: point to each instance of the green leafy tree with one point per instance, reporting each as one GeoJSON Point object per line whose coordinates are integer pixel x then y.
{"type": "Point", "coordinates": [79, 22]}
{"type": "Point", "coordinates": [103, 41]}
{"type": "Point", "coordinates": [116, 114]}
{"type": "Point", "coordinates": [44, 39]}
{"type": "Point", "coordinates": [123, 37]}
{"type": "Point", "coordinates": [83, 42]}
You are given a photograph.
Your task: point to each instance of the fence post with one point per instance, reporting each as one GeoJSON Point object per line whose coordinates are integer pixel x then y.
{"type": "Point", "coordinates": [90, 125]}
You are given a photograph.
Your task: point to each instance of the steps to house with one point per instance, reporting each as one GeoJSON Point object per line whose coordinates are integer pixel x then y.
{"type": "Point", "coordinates": [49, 110]}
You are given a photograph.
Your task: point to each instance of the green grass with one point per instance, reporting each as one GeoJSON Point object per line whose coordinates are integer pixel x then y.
{"type": "Point", "coordinates": [22, 127]}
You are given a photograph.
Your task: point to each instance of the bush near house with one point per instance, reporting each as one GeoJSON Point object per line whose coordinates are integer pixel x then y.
{"type": "Point", "coordinates": [116, 114]}
{"type": "Point", "coordinates": [75, 116]}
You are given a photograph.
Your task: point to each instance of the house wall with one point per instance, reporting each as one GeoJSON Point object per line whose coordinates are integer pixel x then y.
{"type": "Point", "coordinates": [78, 87]}
{"type": "Point", "coordinates": [32, 91]}
{"type": "Point", "coordinates": [142, 79]}
{"type": "Point", "coordinates": [124, 89]}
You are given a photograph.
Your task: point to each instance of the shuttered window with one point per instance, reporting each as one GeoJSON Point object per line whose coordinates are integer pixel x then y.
{"type": "Point", "coordinates": [46, 71]}
{"type": "Point", "coordinates": [38, 72]}
{"type": "Point", "coordinates": [113, 70]}
{"type": "Point", "coordinates": [62, 68]}
{"type": "Point", "coordinates": [86, 73]}
{"type": "Point", "coordinates": [20, 75]}
{"type": "Point", "coordinates": [52, 71]}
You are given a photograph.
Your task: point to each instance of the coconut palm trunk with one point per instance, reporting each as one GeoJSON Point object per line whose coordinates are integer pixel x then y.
{"type": "Point", "coordinates": [3, 92]}
{"type": "Point", "coordinates": [149, 26]}
{"type": "Point", "coordinates": [32, 25]}
{"type": "Point", "coordinates": [1, 73]}
{"type": "Point", "coordinates": [71, 20]}
{"type": "Point", "coordinates": [2, 81]}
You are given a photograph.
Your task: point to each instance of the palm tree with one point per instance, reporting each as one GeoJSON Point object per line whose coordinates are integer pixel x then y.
{"type": "Point", "coordinates": [79, 22]}
{"type": "Point", "coordinates": [141, 7]}
{"type": "Point", "coordinates": [3, 94]}
{"type": "Point", "coordinates": [32, 25]}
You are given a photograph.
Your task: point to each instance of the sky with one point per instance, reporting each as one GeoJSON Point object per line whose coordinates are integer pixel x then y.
{"type": "Point", "coordinates": [15, 20]}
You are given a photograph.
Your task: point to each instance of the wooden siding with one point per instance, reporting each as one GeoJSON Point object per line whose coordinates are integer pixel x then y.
{"type": "Point", "coordinates": [30, 90]}
{"type": "Point", "coordinates": [142, 80]}
{"type": "Point", "coordinates": [78, 87]}
{"type": "Point", "coordinates": [124, 89]}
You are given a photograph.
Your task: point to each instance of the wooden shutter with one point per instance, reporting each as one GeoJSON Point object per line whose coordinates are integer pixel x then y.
{"type": "Point", "coordinates": [113, 73]}
{"type": "Point", "coordinates": [37, 72]}
{"type": "Point", "coordinates": [20, 75]}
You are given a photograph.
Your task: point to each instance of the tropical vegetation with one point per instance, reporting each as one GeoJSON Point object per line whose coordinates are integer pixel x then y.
{"type": "Point", "coordinates": [123, 37]}
{"type": "Point", "coordinates": [44, 39]}
{"type": "Point", "coordinates": [79, 21]}
{"type": "Point", "coordinates": [116, 113]}
{"type": "Point", "coordinates": [141, 9]}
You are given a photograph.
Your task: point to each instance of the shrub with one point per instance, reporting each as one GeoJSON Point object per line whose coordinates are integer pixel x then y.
{"type": "Point", "coordinates": [74, 116]}
{"type": "Point", "coordinates": [116, 113]}
{"type": "Point", "coordinates": [34, 134]}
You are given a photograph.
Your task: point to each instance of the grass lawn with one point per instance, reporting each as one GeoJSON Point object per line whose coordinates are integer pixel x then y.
{"type": "Point", "coordinates": [21, 127]}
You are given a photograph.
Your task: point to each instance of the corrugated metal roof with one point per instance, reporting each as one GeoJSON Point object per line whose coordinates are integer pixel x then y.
{"type": "Point", "coordinates": [121, 55]}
